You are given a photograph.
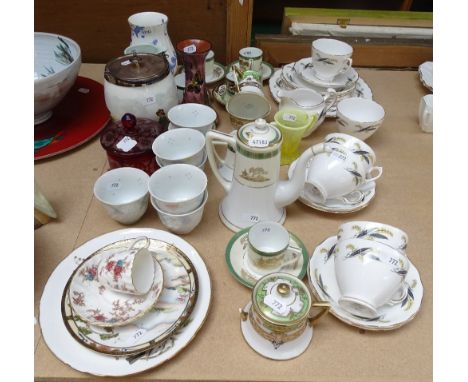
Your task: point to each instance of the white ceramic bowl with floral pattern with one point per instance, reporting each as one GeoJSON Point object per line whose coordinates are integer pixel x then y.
{"type": "Point", "coordinates": [57, 61]}
{"type": "Point", "coordinates": [178, 188]}
{"type": "Point", "coordinates": [124, 194]}
{"type": "Point", "coordinates": [181, 223]}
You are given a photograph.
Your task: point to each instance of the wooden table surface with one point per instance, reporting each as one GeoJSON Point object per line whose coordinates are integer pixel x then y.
{"type": "Point", "coordinates": [218, 353]}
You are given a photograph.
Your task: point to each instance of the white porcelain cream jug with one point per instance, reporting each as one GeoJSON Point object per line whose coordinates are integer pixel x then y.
{"type": "Point", "coordinates": [255, 192]}
{"type": "Point", "coordinates": [308, 100]}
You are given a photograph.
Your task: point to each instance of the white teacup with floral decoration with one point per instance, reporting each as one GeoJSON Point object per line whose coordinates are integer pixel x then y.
{"type": "Point", "coordinates": [380, 232]}
{"type": "Point", "coordinates": [369, 275]}
{"type": "Point", "coordinates": [129, 271]}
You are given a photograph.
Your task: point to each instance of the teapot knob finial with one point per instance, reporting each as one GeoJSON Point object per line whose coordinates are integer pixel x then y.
{"type": "Point", "coordinates": [261, 124]}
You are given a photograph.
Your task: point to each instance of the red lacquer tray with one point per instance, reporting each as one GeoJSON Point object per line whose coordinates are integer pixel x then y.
{"type": "Point", "coordinates": [78, 118]}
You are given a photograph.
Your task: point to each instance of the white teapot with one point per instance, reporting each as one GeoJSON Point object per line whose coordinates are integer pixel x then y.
{"type": "Point", "coordinates": [255, 192]}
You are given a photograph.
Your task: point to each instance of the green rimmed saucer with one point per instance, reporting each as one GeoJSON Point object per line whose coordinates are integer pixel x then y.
{"type": "Point", "coordinates": [237, 261]}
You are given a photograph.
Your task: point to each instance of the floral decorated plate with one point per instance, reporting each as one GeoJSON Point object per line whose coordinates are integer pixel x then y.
{"type": "Point", "coordinates": [219, 71]}
{"type": "Point", "coordinates": [425, 74]}
{"type": "Point", "coordinates": [361, 89]}
{"type": "Point", "coordinates": [294, 262]}
{"type": "Point", "coordinates": [172, 309]}
{"type": "Point", "coordinates": [337, 206]}
{"type": "Point", "coordinates": [100, 305]}
{"type": "Point", "coordinates": [273, 350]}
{"type": "Point", "coordinates": [267, 69]}
{"type": "Point", "coordinates": [321, 273]}
{"type": "Point", "coordinates": [305, 69]}
{"type": "Point", "coordinates": [71, 352]}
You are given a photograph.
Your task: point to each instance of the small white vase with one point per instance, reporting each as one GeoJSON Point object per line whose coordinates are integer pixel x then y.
{"type": "Point", "coordinates": [151, 28]}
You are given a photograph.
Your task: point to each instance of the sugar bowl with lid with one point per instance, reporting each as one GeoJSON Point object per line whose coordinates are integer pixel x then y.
{"type": "Point", "coordinates": [141, 84]}
{"type": "Point", "coordinates": [277, 322]}
{"type": "Point", "coordinates": [128, 142]}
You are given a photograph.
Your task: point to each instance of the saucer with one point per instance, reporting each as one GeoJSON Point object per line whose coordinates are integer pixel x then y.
{"type": "Point", "coordinates": [274, 350]}
{"type": "Point", "coordinates": [267, 69]}
{"type": "Point", "coordinates": [361, 89]}
{"type": "Point", "coordinates": [306, 71]}
{"type": "Point", "coordinates": [220, 94]}
{"type": "Point", "coordinates": [99, 305]}
{"type": "Point", "coordinates": [336, 206]}
{"type": "Point", "coordinates": [425, 74]}
{"type": "Point", "coordinates": [219, 71]}
{"type": "Point", "coordinates": [171, 311]}
{"type": "Point", "coordinates": [321, 273]}
{"type": "Point", "coordinates": [247, 274]}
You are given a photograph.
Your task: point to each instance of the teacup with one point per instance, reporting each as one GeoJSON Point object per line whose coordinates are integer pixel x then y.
{"type": "Point", "coordinates": [178, 188]}
{"type": "Point", "coordinates": [359, 117]}
{"type": "Point", "coordinates": [129, 271]}
{"type": "Point", "coordinates": [181, 223]}
{"type": "Point", "coordinates": [180, 83]}
{"type": "Point", "coordinates": [246, 107]}
{"type": "Point", "coordinates": [192, 115]}
{"type": "Point", "coordinates": [308, 100]}
{"type": "Point", "coordinates": [330, 57]}
{"type": "Point", "coordinates": [369, 275]}
{"type": "Point", "coordinates": [294, 124]}
{"type": "Point", "coordinates": [268, 242]}
{"type": "Point", "coordinates": [251, 58]}
{"type": "Point", "coordinates": [339, 174]}
{"type": "Point", "coordinates": [357, 146]}
{"type": "Point", "coordinates": [426, 113]}
{"type": "Point", "coordinates": [379, 232]}
{"type": "Point", "coordinates": [124, 193]}
{"type": "Point", "coordinates": [179, 146]}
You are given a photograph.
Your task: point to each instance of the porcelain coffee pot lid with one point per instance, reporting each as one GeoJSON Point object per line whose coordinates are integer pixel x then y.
{"type": "Point", "coordinates": [137, 69]}
{"type": "Point", "coordinates": [281, 299]}
{"type": "Point", "coordinates": [259, 134]}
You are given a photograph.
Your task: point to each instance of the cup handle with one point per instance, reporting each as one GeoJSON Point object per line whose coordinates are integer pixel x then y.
{"type": "Point", "coordinates": [379, 174]}
{"type": "Point", "coordinates": [325, 309]}
{"type": "Point", "coordinates": [137, 240]}
{"type": "Point", "coordinates": [349, 62]}
{"type": "Point", "coordinates": [330, 99]}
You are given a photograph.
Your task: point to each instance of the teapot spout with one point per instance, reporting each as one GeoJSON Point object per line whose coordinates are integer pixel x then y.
{"type": "Point", "coordinates": [289, 190]}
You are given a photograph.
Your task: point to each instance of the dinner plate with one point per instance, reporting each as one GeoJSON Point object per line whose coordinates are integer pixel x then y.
{"type": "Point", "coordinates": [172, 309]}
{"type": "Point", "coordinates": [80, 116]}
{"type": "Point", "coordinates": [72, 353]}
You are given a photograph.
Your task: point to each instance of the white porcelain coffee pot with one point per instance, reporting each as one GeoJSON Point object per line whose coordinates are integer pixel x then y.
{"type": "Point", "coordinates": [255, 192]}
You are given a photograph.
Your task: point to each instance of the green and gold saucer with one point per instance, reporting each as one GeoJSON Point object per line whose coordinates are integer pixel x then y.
{"type": "Point", "coordinates": [294, 262]}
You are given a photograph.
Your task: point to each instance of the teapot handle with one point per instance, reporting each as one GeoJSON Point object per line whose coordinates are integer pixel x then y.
{"type": "Point", "coordinates": [214, 138]}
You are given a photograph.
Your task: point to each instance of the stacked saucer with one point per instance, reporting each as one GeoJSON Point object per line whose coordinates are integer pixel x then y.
{"type": "Point", "coordinates": [343, 179]}
{"type": "Point", "coordinates": [366, 276]}
{"type": "Point", "coordinates": [119, 305]}
{"type": "Point", "coordinates": [329, 67]}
